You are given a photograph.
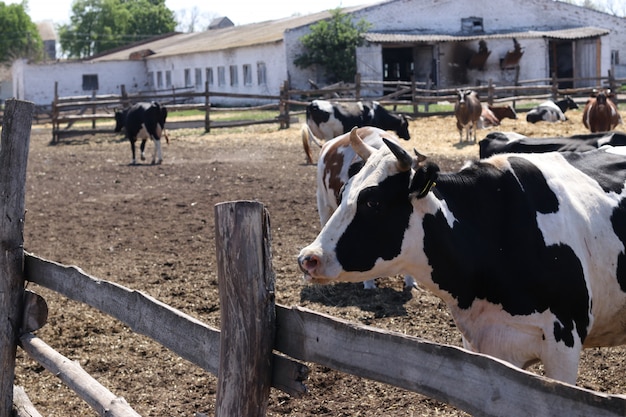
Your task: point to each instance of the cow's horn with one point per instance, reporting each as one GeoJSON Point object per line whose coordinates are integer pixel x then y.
{"type": "Point", "coordinates": [405, 162]}
{"type": "Point", "coordinates": [359, 146]}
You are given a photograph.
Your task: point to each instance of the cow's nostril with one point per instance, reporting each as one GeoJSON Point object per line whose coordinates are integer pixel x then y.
{"type": "Point", "coordinates": [308, 263]}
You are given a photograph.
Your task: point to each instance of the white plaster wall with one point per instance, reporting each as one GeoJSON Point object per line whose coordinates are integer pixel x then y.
{"type": "Point", "coordinates": [35, 82]}
{"type": "Point", "coordinates": [270, 54]}
{"type": "Point", "coordinates": [444, 16]}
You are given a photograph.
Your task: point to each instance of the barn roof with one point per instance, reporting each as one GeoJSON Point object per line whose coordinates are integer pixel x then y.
{"type": "Point", "coordinates": [421, 37]}
{"type": "Point", "coordinates": [270, 31]}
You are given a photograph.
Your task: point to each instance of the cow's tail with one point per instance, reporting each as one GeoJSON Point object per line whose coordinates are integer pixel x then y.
{"type": "Point", "coordinates": [307, 138]}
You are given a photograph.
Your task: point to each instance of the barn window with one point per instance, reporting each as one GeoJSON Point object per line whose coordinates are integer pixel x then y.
{"type": "Point", "coordinates": [90, 82]}
{"type": "Point", "coordinates": [209, 76]}
{"type": "Point", "coordinates": [221, 76]}
{"type": "Point", "coordinates": [234, 76]}
{"type": "Point", "coordinates": [472, 25]}
{"type": "Point", "coordinates": [261, 73]}
{"type": "Point", "coordinates": [247, 74]}
{"type": "Point", "coordinates": [159, 80]}
{"type": "Point", "coordinates": [614, 57]}
{"type": "Point", "coordinates": [151, 79]}
{"type": "Point", "coordinates": [188, 82]}
{"type": "Point", "coordinates": [168, 79]}
{"type": "Point", "coordinates": [198, 77]}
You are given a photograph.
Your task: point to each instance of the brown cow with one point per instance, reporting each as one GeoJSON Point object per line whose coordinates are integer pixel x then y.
{"type": "Point", "coordinates": [600, 113]}
{"type": "Point", "coordinates": [492, 115]}
{"type": "Point", "coordinates": [467, 111]}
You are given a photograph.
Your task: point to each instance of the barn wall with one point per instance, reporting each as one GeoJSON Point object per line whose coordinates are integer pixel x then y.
{"type": "Point", "coordinates": [35, 82]}
{"type": "Point", "coordinates": [444, 16]}
{"type": "Point", "coordinates": [271, 55]}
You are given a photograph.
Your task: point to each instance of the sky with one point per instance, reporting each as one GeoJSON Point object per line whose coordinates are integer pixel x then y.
{"type": "Point", "coordinates": [239, 12]}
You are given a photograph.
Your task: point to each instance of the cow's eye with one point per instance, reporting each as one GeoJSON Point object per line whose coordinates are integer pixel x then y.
{"type": "Point", "coordinates": [372, 204]}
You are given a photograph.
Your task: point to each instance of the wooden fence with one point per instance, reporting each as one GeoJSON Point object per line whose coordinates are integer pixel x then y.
{"type": "Point", "coordinates": [289, 102]}
{"type": "Point", "coordinates": [471, 382]}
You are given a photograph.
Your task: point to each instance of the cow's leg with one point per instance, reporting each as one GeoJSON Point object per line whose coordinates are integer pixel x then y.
{"type": "Point", "coordinates": [561, 362]}
{"type": "Point", "coordinates": [143, 149]}
{"type": "Point", "coordinates": [132, 148]}
{"type": "Point", "coordinates": [157, 156]}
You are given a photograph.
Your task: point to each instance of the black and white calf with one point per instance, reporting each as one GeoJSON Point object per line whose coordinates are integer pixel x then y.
{"type": "Point", "coordinates": [527, 250]}
{"type": "Point", "coordinates": [143, 121]}
{"type": "Point", "coordinates": [551, 111]}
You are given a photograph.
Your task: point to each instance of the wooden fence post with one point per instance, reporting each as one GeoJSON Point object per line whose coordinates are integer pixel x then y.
{"type": "Point", "coordinates": [246, 283]}
{"type": "Point", "coordinates": [14, 143]}
{"type": "Point", "coordinates": [207, 108]}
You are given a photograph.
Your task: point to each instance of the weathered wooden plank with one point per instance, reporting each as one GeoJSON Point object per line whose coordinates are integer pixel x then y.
{"type": "Point", "coordinates": [246, 283]}
{"type": "Point", "coordinates": [187, 337]}
{"type": "Point", "coordinates": [477, 384]}
{"type": "Point", "coordinates": [14, 144]}
{"type": "Point", "coordinates": [179, 332]}
{"type": "Point", "coordinates": [22, 406]}
{"type": "Point", "coordinates": [91, 391]}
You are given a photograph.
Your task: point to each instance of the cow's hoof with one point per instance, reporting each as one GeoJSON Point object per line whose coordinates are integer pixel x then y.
{"type": "Point", "coordinates": [143, 158]}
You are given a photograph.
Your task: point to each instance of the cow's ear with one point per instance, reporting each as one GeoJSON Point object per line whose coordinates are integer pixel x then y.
{"type": "Point", "coordinates": [424, 180]}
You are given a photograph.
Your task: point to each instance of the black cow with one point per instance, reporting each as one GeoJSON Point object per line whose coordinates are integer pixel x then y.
{"type": "Point", "coordinates": [327, 119]}
{"type": "Point", "coordinates": [527, 250]}
{"type": "Point", "coordinates": [143, 121]}
{"type": "Point", "coordinates": [501, 142]}
{"type": "Point", "coordinates": [551, 111]}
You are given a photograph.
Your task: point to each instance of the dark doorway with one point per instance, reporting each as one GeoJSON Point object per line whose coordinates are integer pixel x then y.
{"type": "Point", "coordinates": [400, 64]}
{"type": "Point", "coordinates": [397, 64]}
{"type": "Point", "coordinates": [562, 62]}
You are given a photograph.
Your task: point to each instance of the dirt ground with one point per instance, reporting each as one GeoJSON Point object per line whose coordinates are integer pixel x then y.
{"type": "Point", "coordinates": [151, 228]}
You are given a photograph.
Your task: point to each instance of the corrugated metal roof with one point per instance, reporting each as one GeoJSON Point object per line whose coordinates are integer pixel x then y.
{"type": "Point", "coordinates": [415, 37]}
{"type": "Point", "coordinates": [221, 39]}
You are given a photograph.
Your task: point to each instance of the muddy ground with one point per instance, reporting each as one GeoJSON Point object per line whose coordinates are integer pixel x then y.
{"type": "Point", "coordinates": [151, 228]}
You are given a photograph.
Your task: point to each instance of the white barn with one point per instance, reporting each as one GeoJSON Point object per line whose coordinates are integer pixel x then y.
{"type": "Point", "coordinates": [428, 39]}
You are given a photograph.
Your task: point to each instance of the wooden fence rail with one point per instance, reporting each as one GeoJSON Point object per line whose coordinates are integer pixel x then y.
{"type": "Point", "coordinates": [91, 108]}
{"type": "Point", "coordinates": [471, 382]}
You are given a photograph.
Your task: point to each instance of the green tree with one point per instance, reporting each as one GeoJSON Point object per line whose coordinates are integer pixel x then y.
{"type": "Point", "coordinates": [19, 37]}
{"type": "Point", "coordinates": [332, 44]}
{"type": "Point", "coordinates": [100, 25]}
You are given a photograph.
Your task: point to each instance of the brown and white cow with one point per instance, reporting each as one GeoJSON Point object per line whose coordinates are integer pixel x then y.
{"type": "Point", "coordinates": [600, 113]}
{"type": "Point", "coordinates": [338, 162]}
{"type": "Point", "coordinates": [528, 251]}
{"type": "Point", "coordinates": [328, 119]}
{"type": "Point", "coordinates": [467, 111]}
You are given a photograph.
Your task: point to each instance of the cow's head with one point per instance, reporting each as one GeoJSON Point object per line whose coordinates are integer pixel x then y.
{"type": "Point", "coordinates": [569, 103]}
{"type": "Point", "coordinates": [120, 119]}
{"type": "Point", "coordinates": [403, 130]}
{"type": "Point", "coordinates": [365, 236]}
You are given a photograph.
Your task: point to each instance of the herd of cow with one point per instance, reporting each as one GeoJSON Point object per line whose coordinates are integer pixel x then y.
{"type": "Point", "coordinates": [526, 246]}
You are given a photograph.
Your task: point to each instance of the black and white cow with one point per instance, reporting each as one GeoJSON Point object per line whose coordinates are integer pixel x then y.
{"type": "Point", "coordinates": [510, 142]}
{"type": "Point", "coordinates": [527, 250]}
{"type": "Point", "coordinates": [551, 111]}
{"type": "Point", "coordinates": [328, 119]}
{"type": "Point", "coordinates": [337, 163]}
{"type": "Point", "coordinates": [143, 121]}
